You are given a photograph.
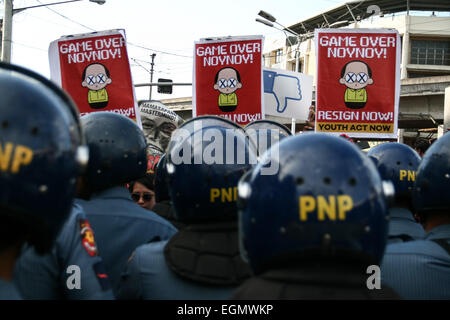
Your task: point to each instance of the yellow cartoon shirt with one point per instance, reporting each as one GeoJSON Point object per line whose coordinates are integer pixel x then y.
{"type": "Point", "coordinates": [352, 95]}
{"type": "Point", "coordinates": [95, 96]}
{"type": "Point", "coordinates": [228, 99]}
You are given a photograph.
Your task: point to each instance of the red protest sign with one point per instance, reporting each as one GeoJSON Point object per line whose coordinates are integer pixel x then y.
{"type": "Point", "coordinates": [358, 82]}
{"type": "Point", "coordinates": [95, 71]}
{"type": "Point", "coordinates": [228, 79]}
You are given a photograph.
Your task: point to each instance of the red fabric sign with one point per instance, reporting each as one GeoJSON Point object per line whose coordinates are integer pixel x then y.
{"type": "Point", "coordinates": [358, 82]}
{"type": "Point", "coordinates": [95, 71]}
{"type": "Point", "coordinates": [228, 79]}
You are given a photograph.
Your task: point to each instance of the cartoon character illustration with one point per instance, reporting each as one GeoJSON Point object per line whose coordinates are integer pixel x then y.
{"type": "Point", "coordinates": [87, 238]}
{"type": "Point", "coordinates": [356, 75]}
{"type": "Point", "coordinates": [96, 77]}
{"type": "Point", "coordinates": [227, 81]}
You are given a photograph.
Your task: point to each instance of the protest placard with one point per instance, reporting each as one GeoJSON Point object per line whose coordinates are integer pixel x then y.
{"type": "Point", "coordinates": [94, 70]}
{"type": "Point", "coordinates": [287, 94]}
{"type": "Point", "coordinates": [358, 82]}
{"type": "Point", "coordinates": [228, 78]}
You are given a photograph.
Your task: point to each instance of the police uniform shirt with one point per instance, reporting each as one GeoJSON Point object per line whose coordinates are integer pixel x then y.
{"type": "Point", "coordinates": [120, 227]}
{"type": "Point", "coordinates": [419, 269]}
{"type": "Point", "coordinates": [148, 277]}
{"type": "Point", "coordinates": [403, 226]}
{"type": "Point", "coordinates": [8, 291]}
{"type": "Point", "coordinates": [72, 270]}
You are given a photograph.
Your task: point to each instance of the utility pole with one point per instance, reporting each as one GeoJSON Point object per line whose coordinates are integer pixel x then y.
{"type": "Point", "coordinates": [1, 36]}
{"type": "Point", "coordinates": [297, 63]}
{"type": "Point", "coordinates": [7, 30]}
{"type": "Point", "coordinates": [151, 74]}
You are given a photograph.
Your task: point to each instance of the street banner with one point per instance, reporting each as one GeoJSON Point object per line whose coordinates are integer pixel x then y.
{"type": "Point", "coordinates": [95, 71]}
{"type": "Point", "coordinates": [358, 82]}
{"type": "Point", "coordinates": [287, 94]}
{"type": "Point", "coordinates": [227, 79]}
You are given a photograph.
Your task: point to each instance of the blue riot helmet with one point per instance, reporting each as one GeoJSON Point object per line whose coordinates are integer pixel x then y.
{"type": "Point", "coordinates": [269, 124]}
{"type": "Point", "coordinates": [195, 123]}
{"type": "Point", "coordinates": [206, 158]}
{"type": "Point", "coordinates": [202, 122]}
{"type": "Point", "coordinates": [431, 190]}
{"type": "Point", "coordinates": [327, 200]}
{"type": "Point", "coordinates": [265, 133]}
{"type": "Point", "coordinates": [117, 150]}
{"type": "Point", "coordinates": [161, 186]}
{"type": "Point", "coordinates": [397, 162]}
{"type": "Point", "coordinates": [42, 151]}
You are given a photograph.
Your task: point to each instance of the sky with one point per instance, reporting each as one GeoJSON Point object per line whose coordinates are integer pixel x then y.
{"type": "Point", "coordinates": [167, 28]}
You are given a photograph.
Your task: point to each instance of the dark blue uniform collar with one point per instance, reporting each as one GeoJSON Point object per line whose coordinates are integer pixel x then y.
{"type": "Point", "coordinates": [439, 232]}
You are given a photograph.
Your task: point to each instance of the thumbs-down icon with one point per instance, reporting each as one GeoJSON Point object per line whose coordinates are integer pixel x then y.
{"type": "Point", "coordinates": [283, 87]}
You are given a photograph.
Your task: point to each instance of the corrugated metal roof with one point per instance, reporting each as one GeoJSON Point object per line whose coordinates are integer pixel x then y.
{"type": "Point", "coordinates": [348, 12]}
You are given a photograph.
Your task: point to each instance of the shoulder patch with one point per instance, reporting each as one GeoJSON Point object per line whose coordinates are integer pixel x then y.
{"type": "Point", "coordinates": [87, 238]}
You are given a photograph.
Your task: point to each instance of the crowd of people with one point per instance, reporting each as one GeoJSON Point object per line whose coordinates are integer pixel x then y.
{"type": "Point", "coordinates": [240, 213]}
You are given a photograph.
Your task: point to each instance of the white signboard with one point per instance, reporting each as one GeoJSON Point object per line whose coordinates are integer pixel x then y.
{"type": "Point", "coordinates": [287, 94]}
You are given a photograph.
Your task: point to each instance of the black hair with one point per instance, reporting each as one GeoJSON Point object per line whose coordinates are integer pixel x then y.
{"type": "Point", "coordinates": [421, 144]}
{"type": "Point", "coordinates": [148, 181]}
{"type": "Point", "coordinates": [345, 66]}
{"type": "Point", "coordinates": [237, 74]}
{"type": "Point", "coordinates": [106, 70]}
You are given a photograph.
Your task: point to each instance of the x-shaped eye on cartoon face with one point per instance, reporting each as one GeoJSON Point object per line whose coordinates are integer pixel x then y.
{"type": "Point", "coordinates": [360, 77]}
{"type": "Point", "coordinates": [92, 79]}
{"type": "Point", "coordinates": [223, 83]}
{"type": "Point", "coordinates": [350, 77]}
{"type": "Point", "coordinates": [101, 78]}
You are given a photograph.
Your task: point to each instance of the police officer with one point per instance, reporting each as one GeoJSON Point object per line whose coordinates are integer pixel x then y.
{"type": "Point", "coordinates": [202, 260]}
{"type": "Point", "coordinates": [73, 269]}
{"type": "Point", "coordinates": [311, 230]}
{"type": "Point", "coordinates": [117, 156]}
{"type": "Point", "coordinates": [421, 269]}
{"type": "Point", "coordinates": [163, 206]}
{"type": "Point", "coordinates": [398, 162]}
{"type": "Point", "coordinates": [41, 153]}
